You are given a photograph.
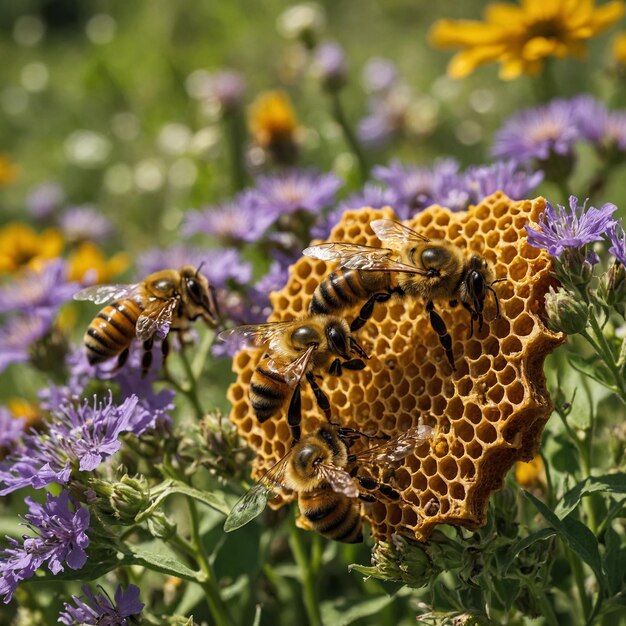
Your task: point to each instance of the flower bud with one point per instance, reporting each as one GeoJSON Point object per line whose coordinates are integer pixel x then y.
{"type": "Point", "coordinates": [612, 288]}
{"type": "Point", "coordinates": [329, 64]}
{"type": "Point", "coordinates": [302, 21]}
{"type": "Point", "coordinates": [565, 312]}
{"type": "Point", "coordinates": [575, 267]}
{"type": "Point", "coordinates": [130, 497]}
{"type": "Point", "coordinates": [160, 526]}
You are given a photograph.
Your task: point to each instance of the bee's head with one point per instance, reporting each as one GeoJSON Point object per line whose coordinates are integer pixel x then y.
{"type": "Point", "coordinates": [199, 295]}
{"type": "Point", "coordinates": [337, 338]}
{"type": "Point", "coordinates": [305, 336]}
{"type": "Point", "coordinates": [307, 457]}
{"type": "Point", "coordinates": [479, 280]}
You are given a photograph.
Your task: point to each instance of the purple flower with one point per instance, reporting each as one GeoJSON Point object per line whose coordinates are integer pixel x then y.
{"type": "Point", "coordinates": [537, 132]}
{"type": "Point", "coordinates": [615, 130]}
{"type": "Point", "coordinates": [379, 75]}
{"type": "Point", "coordinates": [297, 190]}
{"type": "Point", "coordinates": [329, 61]}
{"type": "Point", "coordinates": [617, 237]}
{"type": "Point", "coordinates": [225, 88]}
{"type": "Point", "coordinates": [219, 266]}
{"type": "Point", "coordinates": [60, 537]}
{"type": "Point", "coordinates": [590, 117]}
{"type": "Point", "coordinates": [504, 176]}
{"type": "Point", "coordinates": [19, 334]}
{"type": "Point", "coordinates": [11, 428]}
{"type": "Point", "coordinates": [239, 220]}
{"type": "Point", "coordinates": [373, 196]}
{"type": "Point", "coordinates": [85, 223]}
{"type": "Point", "coordinates": [79, 437]}
{"type": "Point", "coordinates": [98, 609]}
{"type": "Point", "coordinates": [45, 200]}
{"type": "Point", "coordinates": [562, 228]}
{"type": "Point", "coordinates": [43, 291]}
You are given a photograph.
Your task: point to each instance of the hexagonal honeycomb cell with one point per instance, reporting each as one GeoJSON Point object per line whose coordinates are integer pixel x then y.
{"type": "Point", "coordinates": [487, 415]}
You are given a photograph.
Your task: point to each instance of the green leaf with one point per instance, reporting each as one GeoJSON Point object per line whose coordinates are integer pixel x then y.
{"type": "Point", "coordinates": [214, 500]}
{"type": "Point", "coordinates": [90, 571]}
{"type": "Point", "coordinates": [344, 611]}
{"type": "Point", "coordinates": [161, 562]}
{"type": "Point", "coordinates": [592, 368]}
{"type": "Point", "coordinates": [576, 536]}
{"type": "Point", "coordinates": [611, 483]}
{"type": "Point", "coordinates": [614, 560]}
{"type": "Point", "coordinates": [522, 544]}
{"type": "Point", "coordinates": [249, 506]}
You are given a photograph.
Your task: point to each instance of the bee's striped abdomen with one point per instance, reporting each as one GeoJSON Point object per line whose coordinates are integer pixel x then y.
{"type": "Point", "coordinates": [268, 391]}
{"type": "Point", "coordinates": [111, 331]}
{"type": "Point", "coordinates": [332, 514]}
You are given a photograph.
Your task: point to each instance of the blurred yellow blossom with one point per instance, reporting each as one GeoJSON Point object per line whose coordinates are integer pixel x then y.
{"type": "Point", "coordinates": [531, 474]}
{"type": "Point", "coordinates": [88, 264]}
{"type": "Point", "coordinates": [28, 411]}
{"type": "Point", "coordinates": [273, 124]}
{"type": "Point", "coordinates": [22, 247]}
{"type": "Point", "coordinates": [619, 48]}
{"type": "Point", "coordinates": [8, 170]}
{"type": "Point", "coordinates": [521, 37]}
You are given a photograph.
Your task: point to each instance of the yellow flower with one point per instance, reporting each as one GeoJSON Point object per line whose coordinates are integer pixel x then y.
{"type": "Point", "coordinates": [21, 247]}
{"type": "Point", "coordinates": [619, 48]}
{"type": "Point", "coordinates": [273, 124]}
{"type": "Point", "coordinates": [8, 170]}
{"type": "Point", "coordinates": [21, 409]}
{"type": "Point", "coordinates": [521, 37]}
{"type": "Point", "coordinates": [530, 474]}
{"type": "Point", "coordinates": [88, 263]}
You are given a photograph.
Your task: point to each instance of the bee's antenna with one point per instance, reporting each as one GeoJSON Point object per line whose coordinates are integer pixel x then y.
{"type": "Point", "coordinates": [200, 267]}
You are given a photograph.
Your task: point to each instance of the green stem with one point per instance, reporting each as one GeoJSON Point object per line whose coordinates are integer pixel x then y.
{"type": "Point", "coordinates": [546, 608]}
{"type": "Point", "coordinates": [307, 576]}
{"type": "Point", "coordinates": [218, 609]}
{"type": "Point", "coordinates": [192, 389]}
{"type": "Point", "coordinates": [348, 133]}
{"type": "Point", "coordinates": [579, 579]}
{"type": "Point", "coordinates": [199, 360]}
{"type": "Point", "coordinates": [235, 132]}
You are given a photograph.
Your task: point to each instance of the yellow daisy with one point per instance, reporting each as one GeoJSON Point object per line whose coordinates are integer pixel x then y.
{"type": "Point", "coordinates": [273, 124]}
{"type": "Point", "coordinates": [88, 263]}
{"type": "Point", "coordinates": [619, 48]}
{"type": "Point", "coordinates": [531, 474]}
{"type": "Point", "coordinates": [22, 247]}
{"type": "Point", "coordinates": [521, 37]}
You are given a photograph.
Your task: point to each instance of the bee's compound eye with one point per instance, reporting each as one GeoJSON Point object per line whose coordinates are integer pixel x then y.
{"type": "Point", "coordinates": [164, 285]}
{"type": "Point", "coordinates": [195, 289]}
{"type": "Point", "coordinates": [434, 257]}
{"type": "Point", "coordinates": [477, 282]}
{"type": "Point", "coordinates": [337, 340]}
{"type": "Point", "coordinates": [305, 336]}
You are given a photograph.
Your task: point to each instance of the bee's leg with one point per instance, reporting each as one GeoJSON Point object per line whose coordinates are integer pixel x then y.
{"type": "Point", "coordinates": [320, 397]}
{"type": "Point", "coordinates": [371, 484]}
{"type": "Point", "coordinates": [355, 346]}
{"type": "Point", "coordinates": [473, 318]}
{"type": "Point", "coordinates": [122, 358]}
{"type": "Point", "coordinates": [353, 364]}
{"type": "Point", "coordinates": [335, 368]}
{"type": "Point", "coordinates": [294, 414]}
{"type": "Point", "coordinates": [146, 359]}
{"type": "Point", "coordinates": [436, 321]}
{"type": "Point", "coordinates": [165, 349]}
{"type": "Point", "coordinates": [368, 308]}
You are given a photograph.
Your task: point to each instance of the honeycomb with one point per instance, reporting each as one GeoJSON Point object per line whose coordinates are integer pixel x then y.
{"type": "Point", "coordinates": [487, 415]}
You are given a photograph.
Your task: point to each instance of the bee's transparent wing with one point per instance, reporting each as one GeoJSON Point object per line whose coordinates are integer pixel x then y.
{"type": "Point", "coordinates": [156, 318]}
{"type": "Point", "coordinates": [254, 335]}
{"type": "Point", "coordinates": [395, 234]}
{"type": "Point", "coordinates": [339, 480]}
{"type": "Point", "coordinates": [253, 502]}
{"type": "Point", "coordinates": [367, 258]}
{"type": "Point", "coordinates": [396, 448]}
{"type": "Point", "coordinates": [293, 371]}
{"type": "Point", "coordinates": [101, 294]}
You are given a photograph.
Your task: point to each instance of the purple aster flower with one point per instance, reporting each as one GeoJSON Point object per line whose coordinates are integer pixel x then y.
{"type": "Point", "coordinates": [379, 75]}
{"type": "Point", "coordinates": [373, 196]}
{"type": "Point", "coordinates": [219, 266]}
{"type": "Point", "coordinates": [329, 62]}
{"type": "Point", "coordinates": [99, 610]}
{"type": "Point", "coordinates": [225, 88]}
{"type": "Point", "coordinates": [617, 237]}
{"type": "Point", "coordinates": [45, 200]}
{"type": "Point", "coordinates": [60, 537]}
{"type": "Point", "coordinates": [79, 437]}
{"type": "Point", "coordinates": [537, 132]}
{"type": "Point", "coordinates": [590, 117]}
{"type": "Point", "coordinates": [239, 220]}
{"type": "Point", "coordinates": [562, 228]}
{"type": "Point", "coordinates": [615, 130]}
{"type": "Point", "coordinates": [39, 291]}
{"type": "Point", "coordinates": [297, 190]}
{"type": "Point", "coordinates": [85, 223]}
{"type": "Point", "coordinates": [11, 428]}
{"type": "Point", "coordinates": [503, 176]}
{"type": "Point", "coordinates": [18, 336]}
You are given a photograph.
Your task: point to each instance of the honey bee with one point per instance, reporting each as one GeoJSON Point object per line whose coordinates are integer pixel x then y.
{"type": "Point", "coordinates": [295, 350]}
{"type": "Point", "coordinates": [163, 301]}
{"type": "Point", "coordinates": [412, 265]}
{"type": "Point", "coordinates": [324, 474]}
